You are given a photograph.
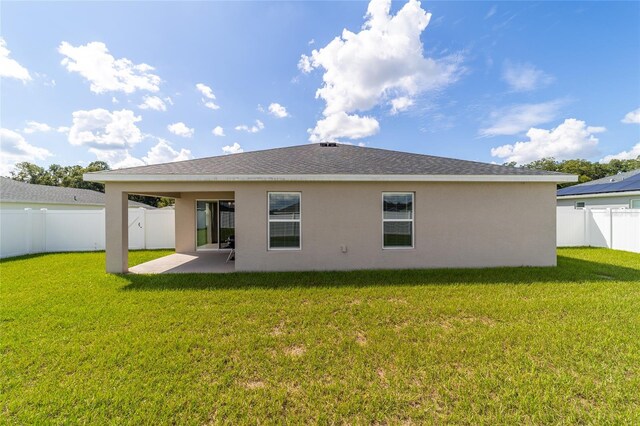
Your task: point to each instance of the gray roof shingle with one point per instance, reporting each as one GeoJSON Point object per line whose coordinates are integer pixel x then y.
{"type": "Point", "coordinates": [21, 192]}
{"type": "Point", "coordinates": [314, 159]}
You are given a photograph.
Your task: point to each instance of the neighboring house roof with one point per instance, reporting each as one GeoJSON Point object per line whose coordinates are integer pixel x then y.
{"type": "Point", "coordinates": [21, 192]}
{"type": "Point", "coordinates": [324, 162]}
{"type": "Point", "coordinates": [622, 182]}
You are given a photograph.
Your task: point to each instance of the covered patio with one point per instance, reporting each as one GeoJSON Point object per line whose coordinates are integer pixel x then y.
{"type": "Point", "coordinates": [202, 262]}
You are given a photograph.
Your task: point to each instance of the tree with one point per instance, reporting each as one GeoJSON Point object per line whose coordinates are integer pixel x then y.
{"type": "Point", "coordinates": [29, 173]}
{"type": "Point", "coordinates": [586, 170]}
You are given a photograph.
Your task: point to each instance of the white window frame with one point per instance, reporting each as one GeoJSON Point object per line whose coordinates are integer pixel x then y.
{"type": "Point", "coordinates": [269, 221]}
{"type": "Point", "coordinates": [412, 220]}
{"type": "Point", "coordinates": [632, 201]}
{"type": "Point", "coordinates": [576, 206]}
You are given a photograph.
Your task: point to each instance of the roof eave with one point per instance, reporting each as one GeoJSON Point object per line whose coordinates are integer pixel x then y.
{"type": "Point", "coordinates": [113, 177]}
{"type": "Point", "coordinates": [600, 195]}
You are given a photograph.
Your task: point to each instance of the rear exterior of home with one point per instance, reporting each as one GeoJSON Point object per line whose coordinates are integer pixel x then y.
{"type": "Point", "coordinates": [621, 191]}
{"type": "Point", "coordinates": [340, 207]}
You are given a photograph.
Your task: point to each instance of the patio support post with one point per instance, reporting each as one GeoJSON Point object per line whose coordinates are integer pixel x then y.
{"type": "Point", "coordinates": [117, 230]}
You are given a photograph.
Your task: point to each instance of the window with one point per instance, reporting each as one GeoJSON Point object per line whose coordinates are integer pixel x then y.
{"type": "Point", "coordinates": [397, 220]}
{"type": "Point", "coordinates": [634, 204]}
{"type": "Point", "coordinates": [284, 220]}
{"type": "Point", "coordinates": [580, 204]}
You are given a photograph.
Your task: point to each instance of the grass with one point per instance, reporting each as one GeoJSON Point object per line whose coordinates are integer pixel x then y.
{"type": "Point", "coordinates": [485, 346]}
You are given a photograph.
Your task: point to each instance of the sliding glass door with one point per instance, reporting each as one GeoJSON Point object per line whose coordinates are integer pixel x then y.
{"type": "Point", "coordinates": [215, 224]}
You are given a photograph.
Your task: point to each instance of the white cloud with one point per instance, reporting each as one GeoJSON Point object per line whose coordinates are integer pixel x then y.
{"type": "Point", "coordinates": [342, 125]}
{"type": "Point", "coordinates": [10, 68]}
{"type": "Point", "coordinates": [525, 77]}
{"type": "Point", "coordinates": [218, 131]}
{"type": "Point", "coordinates": [278, 110]}
{"type": "Point", "coordinates": [211, 105]}
{"type": "Point", "coordinates": [518, 118]}
{"type": "Point", "coordinates": [632, 117]}
{"type": "Point", "coordinates": [164, 153]}
{"type": "Point", "coordinates": [400, 104]}
{"type": "Point", "coordinates": [632, 154]}
{"type": "Point", "coordinates": [491, 12]}
{"type": "Point", "coordinates": [117, 158]}
{"type": "Point", "coordinates": [181, 129]}
{"type": "Point", "coordinates": [153, 102]}
{"type": "Point", "coordinates": [571, 139]}
{"type": "Point", "coordinates": [106, 73]}
{"type": "Point", "coordinates": [384, 60]}
{"type": "Point", "coordinates": [253, 129]}
{"type": "Point", "coordinates": [34, 126]}
{"type": "Point", "coordinates": [101, 129]}
{"type": "Point", "coordinates": [205, 90]}
{"type": "Point", "coordinates": [114, 100]}
{"type": "Point", "coordinates": [232, 149]}
{"type": "Point", "coordinates": [15, 149]}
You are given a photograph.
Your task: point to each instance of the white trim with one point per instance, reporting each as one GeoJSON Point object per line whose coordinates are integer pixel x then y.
{"type": "Point", "coordinates": [412, 220]}
{"type": "Point", "coordinates": [107, 177]}
{"type": "Point", "coordinates": [603, 195]}
{"type": "Point", "coordinates": [269, 220]}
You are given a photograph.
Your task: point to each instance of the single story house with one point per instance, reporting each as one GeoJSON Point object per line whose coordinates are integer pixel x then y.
{"type": "Point", "coordinates": [328, 206]}
{"type": "Point", "coordinates": [617, 191]}
{"type": "Point", "coordinates": [16, 195]}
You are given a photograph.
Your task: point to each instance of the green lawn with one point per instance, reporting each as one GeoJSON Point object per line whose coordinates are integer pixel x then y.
{"type": "Point", "coordinates": [492, 346]}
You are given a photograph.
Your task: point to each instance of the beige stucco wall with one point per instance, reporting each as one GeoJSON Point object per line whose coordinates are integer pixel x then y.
{"type": "Point", "coordinates": [456, 224]}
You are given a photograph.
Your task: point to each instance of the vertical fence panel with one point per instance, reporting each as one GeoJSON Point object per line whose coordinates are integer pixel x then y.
{"type": "Point", "coordinates": [136, 229]}
{"type": "Point", "coordinates": [626, 229]}
{"type": "Point", "coordinates": [72, 230]}
{"type": "Point", "coordinates": [160, 229]}
{"type": "Point", "coordinates": [570, 227]}
{"type": "Point", "coordinates": [599, 234]}
{"type": "Point", "coordinates": [13, 227]}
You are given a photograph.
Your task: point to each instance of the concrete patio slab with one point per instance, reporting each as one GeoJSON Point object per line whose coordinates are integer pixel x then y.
{"type": "Point", "coordinates": [212, 262]}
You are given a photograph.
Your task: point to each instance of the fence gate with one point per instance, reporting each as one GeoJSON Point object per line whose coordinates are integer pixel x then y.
{"type": "Point", "coordinates": [136, 229]}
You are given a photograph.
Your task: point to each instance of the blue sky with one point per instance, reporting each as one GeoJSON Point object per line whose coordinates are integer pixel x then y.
{"type": "Point", "coordinates": [147, 82]}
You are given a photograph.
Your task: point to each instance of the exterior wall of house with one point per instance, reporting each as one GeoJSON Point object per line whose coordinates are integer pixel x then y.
{"type": "Point", "coordinates": [613, 202]}
{"type": "Point", "coordinates": [456, 224]}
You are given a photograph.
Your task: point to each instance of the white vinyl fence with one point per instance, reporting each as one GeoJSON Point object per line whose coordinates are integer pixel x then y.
{"type": "Point", "coordinates": [613, 228]}
{"type": "Point", "coordinates": [40, 231]}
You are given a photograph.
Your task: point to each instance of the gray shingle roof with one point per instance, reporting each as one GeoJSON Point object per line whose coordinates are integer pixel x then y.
{"type": "Point", "coordinates": [314, 159]}
{"type": "Point", "coordinates": [622, 182]}
{"type": "Point", "coordinates": [14, 191]}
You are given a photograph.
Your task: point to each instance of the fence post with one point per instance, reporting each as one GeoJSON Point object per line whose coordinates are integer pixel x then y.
{"type": "Point", "coordinates": [587, 227]}
{"type": "Point", "coordinates": [610, 227]}
{"type": "Point", "coordinates": [29, 231]}
{"type": "Point", "coordinates": [143, 222]}
{"type": "Point", "coordinates": [44, 230]}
